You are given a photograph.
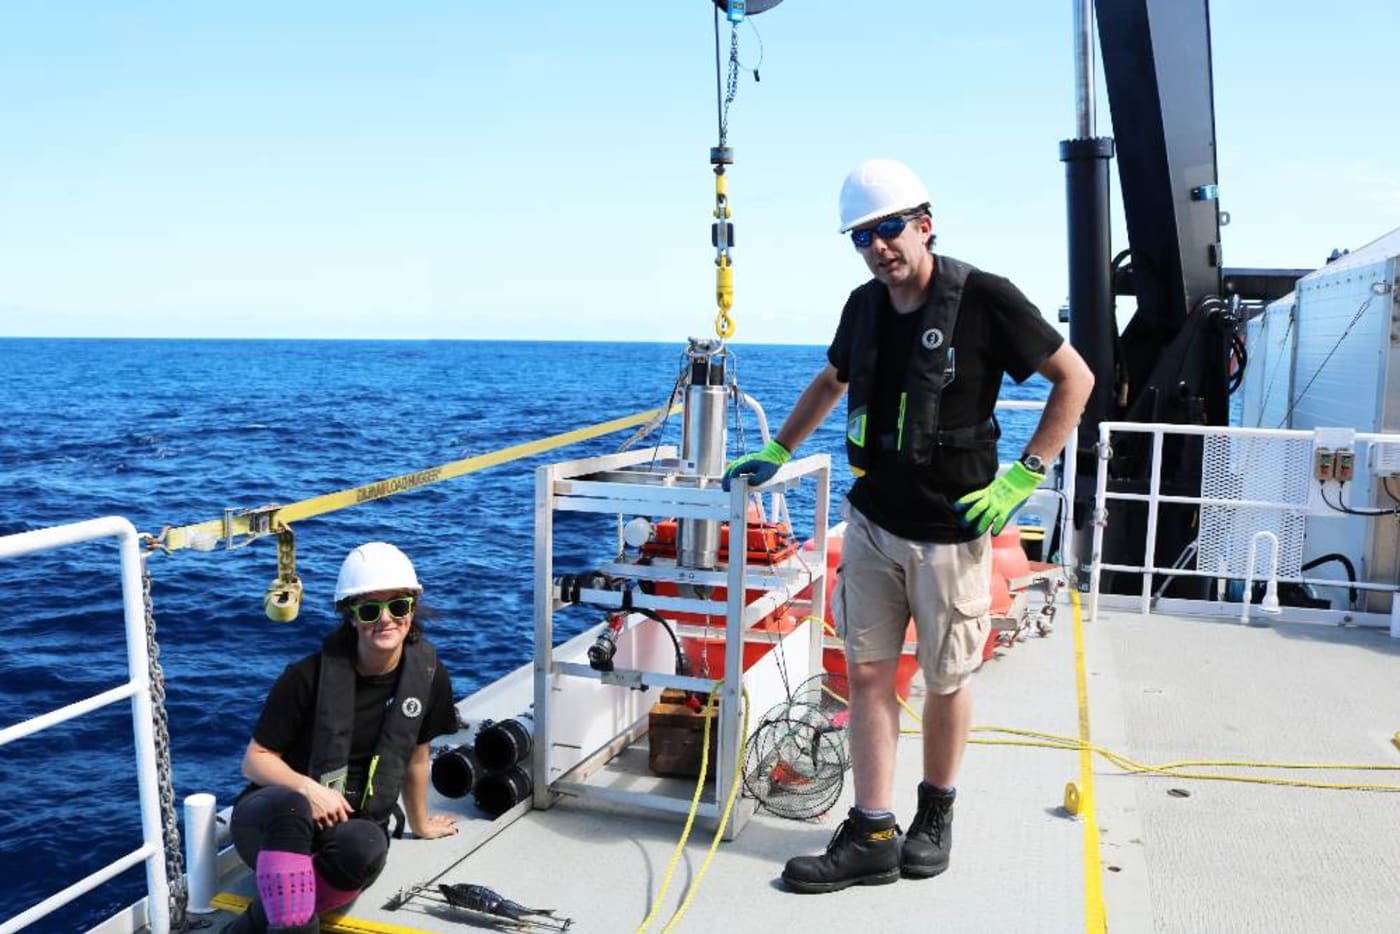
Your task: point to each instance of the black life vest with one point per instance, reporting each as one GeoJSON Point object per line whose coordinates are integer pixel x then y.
{"type": "Point", "coordinates": [335, 723]}
{"type": "Point", "coordinates": [918, 439]}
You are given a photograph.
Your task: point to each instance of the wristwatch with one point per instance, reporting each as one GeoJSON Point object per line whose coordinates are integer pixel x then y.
{"type": "Point", "coordinates": [1033, 462]}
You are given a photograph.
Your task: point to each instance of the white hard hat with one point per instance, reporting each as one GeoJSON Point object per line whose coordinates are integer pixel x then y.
{"type": "Point", "coordinates": [879, 188]}
{"type": "Point", "coordinates": [372, 567]}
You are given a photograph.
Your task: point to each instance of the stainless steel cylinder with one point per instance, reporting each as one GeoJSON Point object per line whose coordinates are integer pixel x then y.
{"type": "Point", "coordinates": [704, 444]}
{"type": "Point", "coordinates": [1084, 67]}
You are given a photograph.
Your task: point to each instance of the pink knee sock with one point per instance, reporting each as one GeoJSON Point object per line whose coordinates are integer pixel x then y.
{"type": "Point", "coordinates": [287, 887]}
{"type": "Point", "coordinates": [329, 897]}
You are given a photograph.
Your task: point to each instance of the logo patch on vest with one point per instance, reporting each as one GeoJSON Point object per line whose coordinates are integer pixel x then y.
{"type": "Point", "coordinates": [412, 707]}
{"type": "Point", "coordinates": [932, 339]}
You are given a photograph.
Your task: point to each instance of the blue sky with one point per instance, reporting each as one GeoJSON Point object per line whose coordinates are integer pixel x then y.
{"type": "Point", "coordinates": [540, 170]}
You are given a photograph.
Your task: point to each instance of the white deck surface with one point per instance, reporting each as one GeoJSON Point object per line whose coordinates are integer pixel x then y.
{"type": "Point", "coordinates": [1228, 857]}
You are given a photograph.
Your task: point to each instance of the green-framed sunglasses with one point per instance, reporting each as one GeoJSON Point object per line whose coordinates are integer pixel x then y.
{"type": "Point", "coordinates": [368, 612]}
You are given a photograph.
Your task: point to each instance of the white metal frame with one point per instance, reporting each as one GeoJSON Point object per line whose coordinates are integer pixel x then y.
{"type": "Point", "coordinates": [567, 487]}
{"type": "Point", "coordinates": [138, 689]}
{"type": "Point", "coordinates": [1154, 498]}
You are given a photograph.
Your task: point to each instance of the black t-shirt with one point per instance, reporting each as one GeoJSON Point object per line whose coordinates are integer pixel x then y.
{"type": "Point", "coordinates": [998, 332]}
{"type": "Point", "coordinates": [289, 714]}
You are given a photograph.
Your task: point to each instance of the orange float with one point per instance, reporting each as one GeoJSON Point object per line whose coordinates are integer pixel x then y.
{"type": "Point", "coordinates": [1009, 562]}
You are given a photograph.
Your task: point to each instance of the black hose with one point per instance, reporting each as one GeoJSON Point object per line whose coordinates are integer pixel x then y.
{"type": "Point", "coordinates": [682, 666]}
{"type": "Point", "coordinates": [1242, 360]}
{"type": "Point", "coordinates": [571, 587]}
{"type": "Point", "coordinates": [1352, 592]}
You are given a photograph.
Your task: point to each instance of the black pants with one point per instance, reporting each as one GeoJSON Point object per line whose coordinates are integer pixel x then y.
{"type": "Point", "coordinates": [349, 855]}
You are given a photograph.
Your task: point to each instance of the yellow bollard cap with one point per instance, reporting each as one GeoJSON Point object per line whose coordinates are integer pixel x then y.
{"type": "Point", "coordinates": [1072, 798]}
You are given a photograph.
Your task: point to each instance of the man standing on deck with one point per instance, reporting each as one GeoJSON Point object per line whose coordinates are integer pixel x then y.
{"type": "Point", "coordinates": [921, 348]}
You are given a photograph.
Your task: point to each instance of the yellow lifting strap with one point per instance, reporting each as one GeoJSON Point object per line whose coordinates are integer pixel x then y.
{"type": "Point", "coordinates": [272, 519]}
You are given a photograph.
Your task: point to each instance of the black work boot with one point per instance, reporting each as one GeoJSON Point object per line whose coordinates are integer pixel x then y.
{"type": "Point", "coordinates": [930, 837]}
{"type": "Point", "coordinates": [863, 851]}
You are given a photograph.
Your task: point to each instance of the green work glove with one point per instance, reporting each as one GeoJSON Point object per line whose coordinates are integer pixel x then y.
{"type": "Point", "coordinates": [758, 467]}
{"type": "Point", "coordinates": [998, 501]}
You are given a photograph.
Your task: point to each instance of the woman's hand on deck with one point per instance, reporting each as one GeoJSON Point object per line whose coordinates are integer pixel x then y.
{"type": "Point", "coordinates": [437, 825]}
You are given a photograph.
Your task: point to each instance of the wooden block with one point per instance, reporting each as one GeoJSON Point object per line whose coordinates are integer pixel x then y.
{"type": "Point", "coordinates": [676, 736]}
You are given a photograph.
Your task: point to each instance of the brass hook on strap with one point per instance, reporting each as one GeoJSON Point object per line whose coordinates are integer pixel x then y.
{"type": "Point", "coordinates": [282, 602]}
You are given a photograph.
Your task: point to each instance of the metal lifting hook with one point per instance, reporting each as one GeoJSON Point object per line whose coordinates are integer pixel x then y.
{"type": "Point", "coordinates": [722, 230]}
{"type": "Point", "coordinates": [722, 238]}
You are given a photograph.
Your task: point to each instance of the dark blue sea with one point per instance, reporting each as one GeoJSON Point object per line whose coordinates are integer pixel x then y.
{"type": "Point", "coordinates": [171, 432]}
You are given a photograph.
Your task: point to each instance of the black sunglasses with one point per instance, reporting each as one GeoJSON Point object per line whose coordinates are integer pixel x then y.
{"type": "Point", "coordinates": [368, 612]}
{"type": "Point", "coordinates": [887, 229]}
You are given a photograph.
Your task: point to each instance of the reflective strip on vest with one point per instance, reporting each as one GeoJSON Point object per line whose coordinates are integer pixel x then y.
{"type": "Point", "coordinates": [899, 425]}
{"type": "Point", "coordinates": [855, 428]}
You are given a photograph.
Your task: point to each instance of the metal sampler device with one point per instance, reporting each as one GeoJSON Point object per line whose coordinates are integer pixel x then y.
{"type": "Point", "coordinates": [703, 430]}
{"type": "Point", "coordinates": [586, 720]}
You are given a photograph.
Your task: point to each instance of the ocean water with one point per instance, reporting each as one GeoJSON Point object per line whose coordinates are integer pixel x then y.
{"type": "Point", "coordinates": [174, 432]}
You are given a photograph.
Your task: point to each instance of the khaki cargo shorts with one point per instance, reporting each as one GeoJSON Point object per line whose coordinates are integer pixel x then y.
{"type": "Point", "coordinates": [884, 580]}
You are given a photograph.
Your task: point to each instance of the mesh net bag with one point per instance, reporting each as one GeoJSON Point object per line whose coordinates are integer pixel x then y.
{"type": "Point", "coordinates": [797, 756]}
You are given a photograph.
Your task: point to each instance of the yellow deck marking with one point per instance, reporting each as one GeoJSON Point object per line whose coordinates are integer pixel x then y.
{"type": "Point", "coordinates": [1095, 918]}
{"type": "Point", "coordinates": [342, 924]}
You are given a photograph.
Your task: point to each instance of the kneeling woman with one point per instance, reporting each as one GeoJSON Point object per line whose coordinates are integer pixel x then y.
{"type": "Point", "coordinates": [342, 733]}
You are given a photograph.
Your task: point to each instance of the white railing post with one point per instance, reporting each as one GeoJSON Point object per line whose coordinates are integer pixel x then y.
{"type": "Point", "coordinates": [138, 688]}
{"type": "Point", "coordinates": [1099, 517]}
{"type": "Point", "coordinates": [1069, 555]}
{"type": "Point", "coordinates": [1154, 491]}
{"type": "Point", "coordinates": [138, 664]}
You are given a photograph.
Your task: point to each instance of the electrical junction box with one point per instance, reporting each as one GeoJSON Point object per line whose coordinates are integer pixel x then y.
{"type": "Point", "coordinates": [1385, 460]}
{"type": "Point", "coordinates": [1328, 445]}
{"type": "Point", "coordinates": [1344, 468]}
{"type": "Point", "coordinates": [1323, 468]}
{"type": "Point", "coordinates": [1328, 354]}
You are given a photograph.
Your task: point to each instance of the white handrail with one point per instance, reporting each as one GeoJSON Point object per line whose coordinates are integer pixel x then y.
{"type": "Point", "coordinates": [138, 688]}
{"type": "Point", "coordinates": [1154, 497]}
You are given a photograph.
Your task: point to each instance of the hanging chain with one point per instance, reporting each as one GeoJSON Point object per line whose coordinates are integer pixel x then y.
{"type": "Point", "coordinates": [722, 230]}
{"type": "Point", "coordinates": [165, 779]}
{"type": "Point", "coordinates": [286, 555]}
{"type": "Point", "coordinates": [731, 86]}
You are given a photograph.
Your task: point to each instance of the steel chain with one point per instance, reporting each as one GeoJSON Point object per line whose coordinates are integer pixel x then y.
{"type": "Point", "coordinates": [165, 779]}
{"type": "Point", "coordinates": [286, 554]}
{"type": "Point", "coordinates": [731, 87]}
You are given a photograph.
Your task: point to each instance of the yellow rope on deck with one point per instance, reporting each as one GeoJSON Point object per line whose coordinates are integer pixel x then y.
{"type": "Point", "coordinates": [206, 535]}
{"type": "Point", "coordinates": [674, 861]}
{"type": "Point", "coordinates": [1038, 740]}
{"type": "Point", "coordinates": [336, 923]}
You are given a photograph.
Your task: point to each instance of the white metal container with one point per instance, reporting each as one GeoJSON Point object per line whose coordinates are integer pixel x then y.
{"type": "Point", "coordinates": [1328, 355]}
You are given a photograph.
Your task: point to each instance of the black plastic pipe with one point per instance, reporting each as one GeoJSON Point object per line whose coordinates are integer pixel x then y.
{"type": "Point", "coordinates": [1093, 327]}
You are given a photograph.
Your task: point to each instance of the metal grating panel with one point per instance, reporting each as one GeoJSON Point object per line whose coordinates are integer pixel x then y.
{"type": "Point", "coordinates": [1273, 470]}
